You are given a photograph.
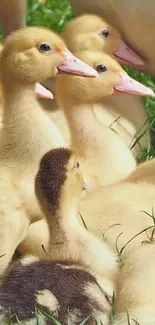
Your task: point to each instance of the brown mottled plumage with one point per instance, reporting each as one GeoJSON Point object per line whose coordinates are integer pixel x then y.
{"type": "Point", "coordinates": [34, 284]}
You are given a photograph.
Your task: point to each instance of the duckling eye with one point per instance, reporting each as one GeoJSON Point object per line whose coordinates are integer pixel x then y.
{"type": "Point", "coordinates": [101, 68]}
{"type": "Point", "coordinates": [105, 33]}
{"type": "Point", "coordinates": [45, 47]}
{"type": "Point", "coordinates": [77, 164]}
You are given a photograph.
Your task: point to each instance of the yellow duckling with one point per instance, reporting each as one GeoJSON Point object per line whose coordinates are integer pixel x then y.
{"type": "Point", "coordinates": [105, 156]}
{"type": "Point", "coordinates": [29, 56]}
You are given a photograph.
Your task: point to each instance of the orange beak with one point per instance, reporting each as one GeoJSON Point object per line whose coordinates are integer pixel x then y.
{"type": "Point", "coordinates": [131, 86]}
{"type": "Point", "coordinates": [71, 65]}
{"type": "Point", "coordinates": [42, 92]}
{"type": "Point", "coordinates": [75, 66]}
{"type": "Point", "coordinates": [127, 56]}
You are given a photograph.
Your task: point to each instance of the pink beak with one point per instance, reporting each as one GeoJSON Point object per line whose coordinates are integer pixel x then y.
{"type": "Point", "coordinates": [127, 56]}
{"type": "Point", "coordinates": [42, 92]}
{"type": "Point", "coordinates": [75, 66]}
{"type": "Point", "coordinates": [131, 86]}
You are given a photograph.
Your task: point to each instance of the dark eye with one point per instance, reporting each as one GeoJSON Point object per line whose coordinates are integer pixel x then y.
{"type": "Point", "coordinates": [105, 33]}
{"type": "Point", "coordinates": [101, 68]}
{"type": "Point", "coordinates": [45, 47]}
{"type": "Point", "coordinates": [77, 164]}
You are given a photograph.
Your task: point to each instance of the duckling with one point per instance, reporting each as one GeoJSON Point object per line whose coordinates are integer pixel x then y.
{"type": "Point", "coordinates": [78, 275]}
{"type": "Point", "coordinates": [97, 145]}
{"type": "Point", "coordinates": [93, 32]}
{"type": "Point", "coordinates": [125, 112]}
{"type": "Point", "coordinates": [132, 18]}
{"type": "Point", "coordinates": [29, 55]}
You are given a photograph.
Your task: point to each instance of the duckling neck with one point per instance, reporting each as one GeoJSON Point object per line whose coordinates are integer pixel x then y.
{"type": "Point", "coordinates": [88, 135]}
{"type": "Point", "coordinates": [63, 221]}
{"type": "Point", "coordinates": [27, 130]}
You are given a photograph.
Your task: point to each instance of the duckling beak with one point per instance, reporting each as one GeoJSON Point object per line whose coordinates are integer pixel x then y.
{"type": "Point", "coordinates": [75, 66]}
{"type": "Point", "coordinates": [42, 92]}
{"type": "Point", "coordinates": [131, 86]}
{"type": "Point", "coordinates": [127, 56]}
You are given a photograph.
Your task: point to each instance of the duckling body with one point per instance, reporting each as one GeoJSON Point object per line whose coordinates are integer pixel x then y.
{"type": "Point", "coordinates": [126, 113]}
{"type": "Point", "coordinates": [59, 288]}
{"type": "Point", "coordinates": [82, 267]}
{"type": "Point", "coordinates": [124, 215]}
{"type": "Point", "coordinates": [136, 288]}
{"type": "Point", "coordinates": [127, 16]}
{"type": "Point", "coordinates": [124, 208]}
{"type": "Point", "coordinates": [27, 131]}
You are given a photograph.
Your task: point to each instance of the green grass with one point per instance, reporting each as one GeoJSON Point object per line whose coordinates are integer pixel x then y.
{"type": "Point", "coordinates": [53, 14]}
{"type": "Point", "coordinates": [38, 316]}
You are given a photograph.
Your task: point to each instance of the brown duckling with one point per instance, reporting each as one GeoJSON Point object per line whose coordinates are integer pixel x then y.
{"type": "Point", "coordinates": [80, 279]}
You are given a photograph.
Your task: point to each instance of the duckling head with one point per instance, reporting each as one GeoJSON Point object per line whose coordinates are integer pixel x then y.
{"type": "Point", "coordinates": [112, 79]}
{"type": "Point", "coordinates": [59, 180]}
{"type": "Point", "coordinates": [92, 32]}
{"type": "Point", "coordinates": [34, 54]}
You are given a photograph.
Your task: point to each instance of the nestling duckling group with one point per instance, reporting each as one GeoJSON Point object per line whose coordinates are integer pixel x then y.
{"type": "Point", "coordinates": [74, 201]}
